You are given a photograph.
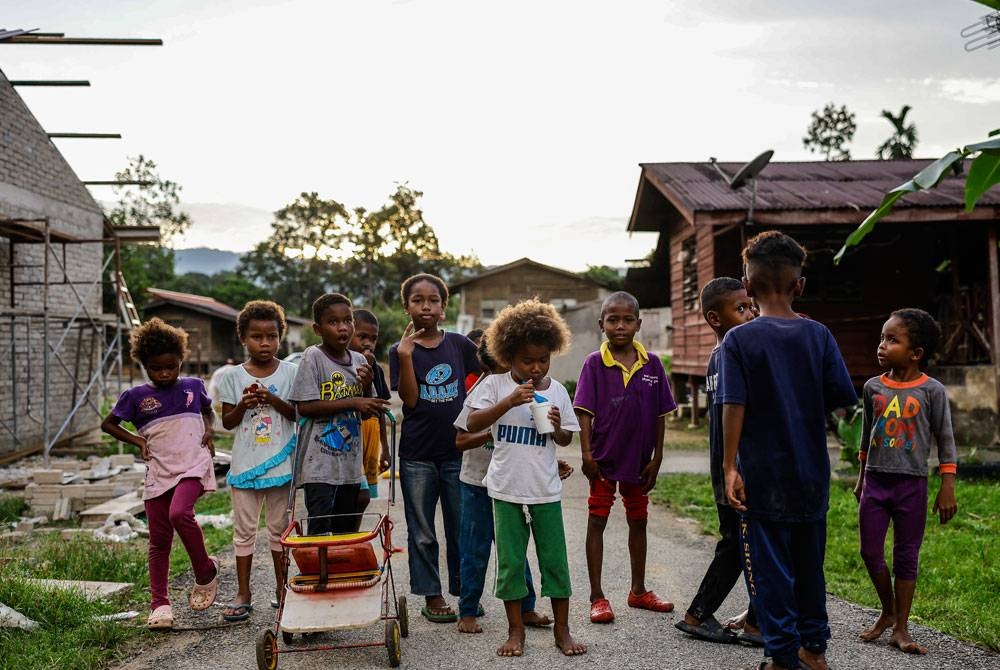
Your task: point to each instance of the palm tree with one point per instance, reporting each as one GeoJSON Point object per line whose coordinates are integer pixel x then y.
{"type": "Point", "coordinates": [904, 137]}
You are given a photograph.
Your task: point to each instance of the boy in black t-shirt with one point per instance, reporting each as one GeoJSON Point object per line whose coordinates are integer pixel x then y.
{"type": "Point", "coordinates": [725, 305]}
{"type": "Point", "coordinates": [780, 374]}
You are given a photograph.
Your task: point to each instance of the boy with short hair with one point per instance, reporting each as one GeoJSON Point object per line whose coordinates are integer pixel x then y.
{"type": "Point", "coordinates": [621, 399]}
{"type": "Point", "coordinates": [375, 447]}
{"type": "Point", "coordinates": [780, 375]}
{"type": "Point", "coordinates": [725, 305]}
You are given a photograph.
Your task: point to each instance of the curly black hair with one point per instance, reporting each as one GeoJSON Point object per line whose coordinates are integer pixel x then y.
{"type": "Point", "coordinates": [156, 337]}
{"type": "Point", "coordinates": [406, 288]}
{"type": "Point", "coordinates": [923, 330]}
{"type": "Point", "coordinates": [321, 304]}
{"type": "Point", "coordinates": [529, 322]}
{"type": "Point", "coordinates": [261, 310]}
{"type": "Point", "coordinates": [776, 259]}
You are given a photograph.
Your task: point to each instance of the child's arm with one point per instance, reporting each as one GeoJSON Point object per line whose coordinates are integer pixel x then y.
{"type": "Point", "coordinates": [208, 416]}
{"type": "Point", "coordinates": [559, 436]}
{"type": "Point", "coordinates": [321, 408]}
{"type": "Point", "coordinates": [480, 419]}
{"type": "Point", "coordinates": [732, 429]}
{"type": "Point", "coordinates": [652, 468]}
{"type": "Point", "coordinates": [466, 441]}
{"type": "Point", "coordinates": [866, 439]}
{"type": "Point", "coordinates": [232, 415]}
{"type": "Point", "coordinates": [111, 426]}
{"type": "Point", "coordinates": [589, 467]}
{"type": "Point", "coordinates": [285, 408]}
{"type": "Point", "coordinates": [945, 504]}
{"type": "Point", "coordinates": [407, 387]}
{"type": "Point", "coordinates": [383, 459]}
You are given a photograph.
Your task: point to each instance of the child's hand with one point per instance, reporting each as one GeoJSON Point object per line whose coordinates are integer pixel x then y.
{"type": "Point", "coordinates": [522, 395]}
{"type": "Point", "coordinates": [250, 399]}
{"type": "Point", "coordinates": [649, 474]}
{"type": "Point", "coordinates": [565, 469]}
{"type": "Point", "coordinates": [143, 447]}
{"type": "Point", "coordinates": [265, 397]}
{"type": "Point", "coordinates": [590, 470]}
{"type": "Point", "coordinates": [207, 441]}
{"type": "Point", "coordinates": [735, 493]}
{"type": "Point", "coordinates": [945, 504]}
{"type": "Point", "coordinates": [383, 460]}
{"type": "Point", "coordinates": [370, 406]}
{"type": "Point", "coordinates": [555, 418]}
{"type": "Point", "coordinates": [365, 374]}
{"type": "Point", "coordinates": [407, 341]}
{"type": "Point", "coordinates": [370, 357]}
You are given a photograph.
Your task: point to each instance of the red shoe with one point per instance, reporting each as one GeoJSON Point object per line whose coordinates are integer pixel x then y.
{"type": "Point", "coordinates": [648, 601]}
{"type": "Point", "coordinates": [600, 611]}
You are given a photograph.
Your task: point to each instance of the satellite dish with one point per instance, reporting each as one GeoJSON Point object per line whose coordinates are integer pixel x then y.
{"type": "Point", "coordinates": [750, 170]}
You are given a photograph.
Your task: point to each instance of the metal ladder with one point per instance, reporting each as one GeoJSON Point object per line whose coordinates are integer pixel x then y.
{"type": "Point", "coordinates": [126, 306]}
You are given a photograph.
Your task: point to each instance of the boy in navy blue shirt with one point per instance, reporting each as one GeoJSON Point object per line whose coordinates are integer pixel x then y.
{"type": "Point", "coordinates": [780, 375]}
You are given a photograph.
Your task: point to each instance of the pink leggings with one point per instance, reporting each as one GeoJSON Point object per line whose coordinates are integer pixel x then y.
{"type": "Point", "coordinates": [166, 513]}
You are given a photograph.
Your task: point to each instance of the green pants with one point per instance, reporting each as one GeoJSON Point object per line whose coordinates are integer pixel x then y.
{"type": "Point", "coordinates": [512, 527]}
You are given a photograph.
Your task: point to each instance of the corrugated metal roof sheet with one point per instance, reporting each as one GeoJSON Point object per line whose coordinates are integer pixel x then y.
{"type": "Point", "coordinates": [859, 185]}
{"type": "Point", "coordinates": [198, 302]}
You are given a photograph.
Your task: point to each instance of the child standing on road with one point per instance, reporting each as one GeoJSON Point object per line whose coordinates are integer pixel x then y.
{"type": "Point", "coordinates": [332, 391]}
{"type": "Point", "coordinates": [173, 416]}
{"type": "Point", "coordinates": [253, 403]}
{"type": "Point", "coordinates": [476, 536]}
{"type": "Point", "coordinates": [373, 436]}
{"type": "Point", "coordinates": [780, 375]}
{"type": "Point", "coordinates": [725, 305]}
{"type": "Point", "coordinates": [523, 477]}
{"type": "Point", "coordinates": [428, 368]}
{"type": "Point", "coordinates": [621, 400]}
{"type": "Point", "coordinates": [903, 408]}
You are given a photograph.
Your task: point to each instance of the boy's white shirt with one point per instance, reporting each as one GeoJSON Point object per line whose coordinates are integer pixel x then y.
{"type": "Point", "coordinates": [476, 461]}
{"type": "Point", "coordinates": [522, 470]}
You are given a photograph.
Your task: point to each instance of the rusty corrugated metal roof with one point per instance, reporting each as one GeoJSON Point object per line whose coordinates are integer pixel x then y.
{"type": "Point", "coordinates": [858, 185]}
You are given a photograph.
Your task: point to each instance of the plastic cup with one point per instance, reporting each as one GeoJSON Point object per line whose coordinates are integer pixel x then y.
{"type": "Point", "coordinates": [540, 414]}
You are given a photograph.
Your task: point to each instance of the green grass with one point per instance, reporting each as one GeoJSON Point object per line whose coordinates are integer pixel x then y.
{"type": "Point", "coordinates": [11, 509]}
{"type": "Point", "coordinates": [69, 637]}
{"type": "Point", "coordinates": [959, 563]}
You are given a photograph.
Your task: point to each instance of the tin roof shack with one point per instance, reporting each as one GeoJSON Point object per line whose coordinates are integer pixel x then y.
{"type": "Point", "coordinates": [210, 325]}
{"type": "Point", "coordinates": [483, 296]}
{"type": "Point", "coordinates": [928, 253]}
{"type": "Point", "coordinates": [50, 258]}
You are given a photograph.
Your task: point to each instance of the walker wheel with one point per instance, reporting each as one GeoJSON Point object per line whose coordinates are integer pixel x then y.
{"type": "Point", "coordinates": [392, 647]}
{"type": "Point", "coordinates": [267, 650]}
{"type": "Point", "coordinates": [287, 637]}
{"type": "Point", "coordinates": [403, 616]}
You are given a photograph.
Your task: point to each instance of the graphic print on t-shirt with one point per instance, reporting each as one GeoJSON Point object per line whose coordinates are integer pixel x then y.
{"type": "Point", "coordinates": [342, 430]}
{"type": "Point", "coordinates": [435, 389]}
{"type": "Point", "coordinates": [896, 423]}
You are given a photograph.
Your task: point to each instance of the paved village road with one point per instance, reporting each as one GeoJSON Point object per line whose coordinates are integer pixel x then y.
{"type": "Point", "coordinates": [677, 558]}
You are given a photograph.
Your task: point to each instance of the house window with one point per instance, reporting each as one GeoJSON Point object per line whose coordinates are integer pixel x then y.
{"type": "Point", "coordinates": [563, 303]}
{"type": "Point", "coordinates": [489, 309]}
{"type": "Point", "coordinates": [689, 273]}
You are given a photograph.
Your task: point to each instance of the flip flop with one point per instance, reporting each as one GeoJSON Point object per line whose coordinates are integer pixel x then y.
{"type": "Point", "coordinates": [710, 629]}
{"type": "Point", "coordinates": [749, 639]}
{"type": "Point", "coordinates": [244, 610]}
{"type": "Point", "coordinates": [203, 595]}
{"type": "Point", "coordinates": [439, 614]}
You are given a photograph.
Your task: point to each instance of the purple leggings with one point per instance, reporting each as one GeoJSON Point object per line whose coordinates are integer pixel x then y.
{"type": "Point", "coordinates": [903, 499]}
{"type": "Point", "coordinates": [170, 511]}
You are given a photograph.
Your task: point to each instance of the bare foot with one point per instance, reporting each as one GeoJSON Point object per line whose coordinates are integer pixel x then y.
{"type": "Point", "coordinates": [901, 640]}
{"type": "Point", "coordinates": [567, 645]}
{"type": "Point", "coordinates": [813, 661]}
{"type": "Point", "coordinates": [467, 624]}
{"type": "Point", "coordinates": [885, 621]}
{"type": "Point", "coordinates": [514, 646]}
{"type": "Point", "coordinates": [535, 619]}
{"type": "Point", "coordinates": [737, 622]}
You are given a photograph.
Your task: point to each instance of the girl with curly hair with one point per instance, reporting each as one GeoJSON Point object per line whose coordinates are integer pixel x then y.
{"type": "Point", "coordinates": [523, 476]}
{"type": "Point", "coordinates": [173, 419]}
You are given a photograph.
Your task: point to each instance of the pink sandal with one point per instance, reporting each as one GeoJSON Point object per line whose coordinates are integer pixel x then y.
{"type": "Point", "coordinates": [162, 618]}
{"type": "Point", "coordinates": [203, 595]}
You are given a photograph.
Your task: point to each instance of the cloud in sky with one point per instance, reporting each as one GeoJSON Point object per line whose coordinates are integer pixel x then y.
{"type": "Point", "coordinates": [520, 122]}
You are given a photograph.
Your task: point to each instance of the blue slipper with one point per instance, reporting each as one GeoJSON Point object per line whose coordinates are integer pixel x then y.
{"type": "Point", "coordinates": [243, 612]}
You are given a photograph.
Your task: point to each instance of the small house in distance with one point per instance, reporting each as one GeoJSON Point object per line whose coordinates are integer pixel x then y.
{"type": "Point", "coordinates": [210, 325]}
{"type": "Point", "coordinates": [928, 253]}
{"type": "Point", "coordinates": [483, 296]}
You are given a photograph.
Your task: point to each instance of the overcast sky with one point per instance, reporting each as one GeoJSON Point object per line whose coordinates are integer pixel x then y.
{"type": "Point", "coordinates": [522, 122]}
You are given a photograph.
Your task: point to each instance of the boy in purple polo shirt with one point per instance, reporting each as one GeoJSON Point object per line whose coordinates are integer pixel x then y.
{"type": "Point", "coordinates": [621, 399]}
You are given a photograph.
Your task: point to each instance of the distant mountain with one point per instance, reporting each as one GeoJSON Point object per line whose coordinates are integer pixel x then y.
{"type": "Point", "coordinates": [204, 260]}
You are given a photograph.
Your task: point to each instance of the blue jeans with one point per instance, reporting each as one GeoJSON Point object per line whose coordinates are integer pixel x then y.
{"type": "Point", "coordinates": [475, 540]}
{"type": "Point", "coordinates": [423, 483]}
